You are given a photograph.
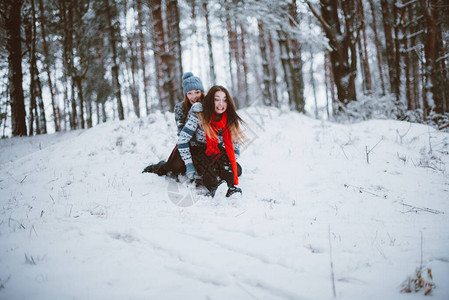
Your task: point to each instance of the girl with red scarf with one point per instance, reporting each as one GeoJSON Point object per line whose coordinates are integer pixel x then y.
{"type": "Point", "coordinates": [209, 142]}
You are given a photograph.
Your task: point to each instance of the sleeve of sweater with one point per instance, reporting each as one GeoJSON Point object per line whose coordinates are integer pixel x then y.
{"type": "Point", "coordinates": [237, 150]}
{"type": "Point", "coordinates": [186, 135]}
{"type": "Point", "coordinates": [180, 117]}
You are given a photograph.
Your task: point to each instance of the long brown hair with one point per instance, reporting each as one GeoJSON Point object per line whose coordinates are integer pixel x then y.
{"type": "Point", "coordinates": [233, 119]}
{"type": "Point", "coordinates": [186, 103]}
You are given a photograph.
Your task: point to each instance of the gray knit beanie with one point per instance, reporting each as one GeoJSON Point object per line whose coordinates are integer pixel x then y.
{"type": "Point", "coordinates": [190, 82]}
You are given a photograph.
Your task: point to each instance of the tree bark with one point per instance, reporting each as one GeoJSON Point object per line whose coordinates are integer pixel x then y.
{"type": "Point", "coordinates": [365, 62]}
{"type": "Point", "coordinates": [391, 50]}
{"type": "Point", "coordinates": [159, 42]}
{"type": "Point", "coordinates": [343, 54]}
{"type": "Point", "coordinates": [209, 43]}
{"type": "Point", "coordinates": [233, 51]}
{"type": "Point", "coordinates": [267, 96]}
{"type": "Point", "coordinates": [173, 54]}
{"type": "Point", "coordinates": [131, 65]}
{"type": "Point", "coordinates": [434, 99]}
{"type": "Point", "coordinates": [297, 79]}
{"type": "Point", "coordinates": [242, 73]}
{"type": "Point", "coordinates": [287, 68]}
{"type": "Point", "coordinates": [377, 44]}
{"type": "Point", "coordinates": [33, 116]}
{"type": "Point", "coordinates": [143, 61]}
{"type": "Point", "coordinates": [43, 26]}
{"type": "Point", "coordinates": [273, 71]}
{"type": "Point", "coordinates": [37, 111]}
{"type": "Point", "coordinates": [13, 19]}
{"type": "Point", "coordinates": [113, 40]}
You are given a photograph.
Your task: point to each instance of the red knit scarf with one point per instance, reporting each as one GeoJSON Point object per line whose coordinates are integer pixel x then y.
{"type": "Point", "coordinates": [212, 143]}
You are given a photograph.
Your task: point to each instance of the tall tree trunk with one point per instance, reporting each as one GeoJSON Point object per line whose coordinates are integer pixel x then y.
{"type": "Point", "coordinates": [414, 60]}
{"type": "Point", "coordinates": [173, 55]}
{"type": "Point", "coordinates": [66, 18]}
{"type": "Point", "coordinates": [115, 65]}
{"type": "Point", "coordinates": [143, 61]}
{"type": "Point", "coordinates": [131, 65]}
{"type": "Point", "coordinates": [89, 113]}
{"type": "Point", "coordinates": [390, 45]}
{"type": "Point", "coordinates": [159, 50]}
{"type": "Point", "coordinates": [79, 86]}
{"type": "Point", "coordinates": [242, 68]}
{"type": "Point", "coordinates": [312, 82]}
{"type": "Point", "coordinates": [273, 71]}
{"type": "Point", "coordinates": [35, 73]}
{"type": "Point", "coordinates": [343, 54]}
{"type": "Point", "coordinates": [405, 46]}
{"type": "Point", "coordinates": [74, 121]}
{"type": "Point", "coordinates": [434, 80]}
{"type": "Point", "coordinates": [407, 74]}
{"type": "Point", "coordinates": [327, 85]}
{"type": "Point", "coordinates": [13, 20]}
{"type": "Point", "coordinates": [209, 43]}
{"type": "Point", "coordinates": [33, 117]}
{"type": "Point", "coordinates": [233, 50]}
{"type": "Point", "coordinates": [377, 44]}
{"type": "Point", "coordinates": [297, 79]}
{"type": "Point", "coordinates": [267, 96]}
{"type": "Point", "coordinates": [364, 46]}
{"type": "Point", "coordinates": [43, 26]}
{"type": "Point", "coordinates": [134, 86]}
{"type": "Point", "coordinates": [287, 68]}
{"type": "Point", "coordinates": [398, 33]}
{"type": "Point", "coordinates": [331, 81]}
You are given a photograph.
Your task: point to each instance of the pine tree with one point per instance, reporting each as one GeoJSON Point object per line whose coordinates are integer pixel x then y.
{"type": "Point", "coordinates": [11, 13]}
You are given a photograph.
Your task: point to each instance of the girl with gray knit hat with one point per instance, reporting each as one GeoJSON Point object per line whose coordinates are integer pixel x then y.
{"type": "Point", "coordinates": [193, 92]}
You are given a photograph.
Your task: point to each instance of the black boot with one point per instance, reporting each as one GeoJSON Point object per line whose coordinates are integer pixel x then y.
{"type": "Point", "coordinates": [156, 168]}
{"type": "Point", "coordinates": [213, 190]}
{"type": "Point", "coordinates": [233, 190]}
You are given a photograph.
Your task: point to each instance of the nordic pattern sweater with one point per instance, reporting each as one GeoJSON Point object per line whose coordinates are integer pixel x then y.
{"type": "Point", "coordinates": [180, 116]}
{"type": "Point", "coordinates": [193, 134]}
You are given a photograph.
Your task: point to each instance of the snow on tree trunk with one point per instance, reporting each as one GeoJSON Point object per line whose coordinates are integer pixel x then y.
{"type": "Point", "coordinates": [364, 56]}
{"type": "Point", "coordinates": [287, 68]}
{"type": "Point", "coordinates": [377, 45]}
{"type": "Point", "coordinates": [343, 56]}
{"type": "Point", "coordinates": [435, 79]}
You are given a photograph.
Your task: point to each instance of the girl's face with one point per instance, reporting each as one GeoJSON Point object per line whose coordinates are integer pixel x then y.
{"type": "Point", "coordinates": [220, 101]}
{"type": "Point", "coordinates": [194, 96]}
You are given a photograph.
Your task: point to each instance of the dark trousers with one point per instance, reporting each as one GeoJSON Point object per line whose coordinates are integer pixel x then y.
{"type": "Point", "coordinates": [174, 165]}
{"type": "Point", "coordinates": [213, 169]}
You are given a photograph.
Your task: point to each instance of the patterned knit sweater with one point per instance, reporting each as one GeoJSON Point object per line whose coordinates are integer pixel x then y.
{"type": "Point", "coordinates": [180, 116]}
{"type": "Point", "coordinates": [193, 134]}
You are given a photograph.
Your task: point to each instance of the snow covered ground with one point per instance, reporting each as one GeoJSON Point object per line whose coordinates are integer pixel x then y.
{"type": "Point", "coordinates": [78, 219]}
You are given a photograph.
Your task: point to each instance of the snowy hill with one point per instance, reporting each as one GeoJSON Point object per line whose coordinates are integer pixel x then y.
{"type": "Point", "coordinates": [80, 221]}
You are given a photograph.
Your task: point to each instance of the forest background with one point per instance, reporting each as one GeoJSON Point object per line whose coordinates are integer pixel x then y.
{"type": "Point", "coordinates": [67, 64]}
